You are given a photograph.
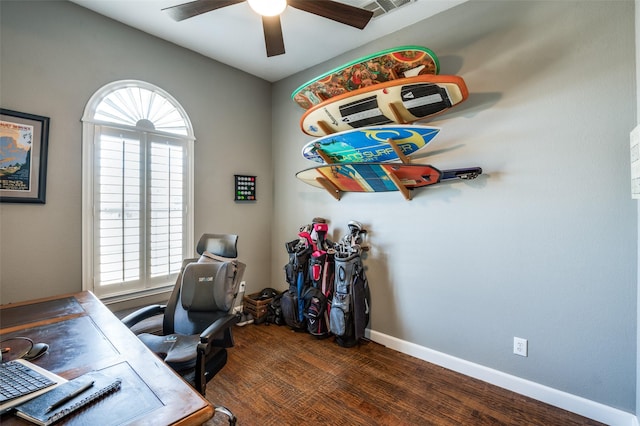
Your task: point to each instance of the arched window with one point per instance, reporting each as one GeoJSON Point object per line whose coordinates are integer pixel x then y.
{"type": "Point", "coordinates": [137, 189]}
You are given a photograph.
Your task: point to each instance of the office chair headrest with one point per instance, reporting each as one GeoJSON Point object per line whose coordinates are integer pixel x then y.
{"type": "Point", "coordinates": [207, 257]}
{"type": "Point", "coordinates": [224, 245]}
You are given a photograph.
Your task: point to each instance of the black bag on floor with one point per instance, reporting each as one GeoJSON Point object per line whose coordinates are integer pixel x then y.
{"type": "Point", "coordinates": [274, 310]}
{"type": "Point", "coordinates": [297, 276]}
{"type": "Point", "coordinates": [350, 307]}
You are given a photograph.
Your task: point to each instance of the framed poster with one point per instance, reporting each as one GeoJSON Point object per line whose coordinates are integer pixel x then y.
{"type": "Point", "coordinates": [24, 139]}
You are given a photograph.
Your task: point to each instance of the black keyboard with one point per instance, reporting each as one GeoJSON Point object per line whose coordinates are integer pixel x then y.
{"type": "Point", "coordinates": [17, 380]}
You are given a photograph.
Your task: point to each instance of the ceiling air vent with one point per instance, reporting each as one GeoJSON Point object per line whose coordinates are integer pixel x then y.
{"type": "Point", "coordinates": [380, 7]}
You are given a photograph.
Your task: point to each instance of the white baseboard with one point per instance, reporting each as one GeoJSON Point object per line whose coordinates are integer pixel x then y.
{"type": "Point", "coordinates": [557, 398]}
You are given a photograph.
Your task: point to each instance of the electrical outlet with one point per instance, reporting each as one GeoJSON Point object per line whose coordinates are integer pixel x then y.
{"type": "Point", "coordinates": [520, 346]}
{"type": "Point", "coordinates": [239, 305]}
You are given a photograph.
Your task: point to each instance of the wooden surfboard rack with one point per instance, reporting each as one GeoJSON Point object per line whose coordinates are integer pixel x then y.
{"type": "Point", "coordinates": [398, 151]}
{"type": "Point", "coordinates": [337, 193]}
{"type": "Point", "coordinates": [330, 187]}
{"type": "Point", "coordinates": [325, 127]}
{"type": "Point", "coordinates": [396, 114]}
{"type": "Point", "coordinates": [324, 156]}
{"type": "Point", "coordinates": [396, 181]}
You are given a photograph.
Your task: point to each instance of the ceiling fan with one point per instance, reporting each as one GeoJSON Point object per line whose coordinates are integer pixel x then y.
{"type": "Point", "coordinates": [336, 11]}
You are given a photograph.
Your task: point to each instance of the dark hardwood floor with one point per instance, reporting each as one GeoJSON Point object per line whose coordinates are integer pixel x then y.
{"type": "Point", "coordinates": [275, 376]}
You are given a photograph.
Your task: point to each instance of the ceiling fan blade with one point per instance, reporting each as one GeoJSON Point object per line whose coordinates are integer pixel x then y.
{"type": "Point", "coordinates": [273, 35]}
{"type": "Point", "coordinates": [340, 12]}
{"type": "Point", "coordinates": [198, 7]}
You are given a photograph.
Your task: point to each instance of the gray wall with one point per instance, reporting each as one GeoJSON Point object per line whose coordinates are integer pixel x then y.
{"type": "Point", "coordinates": [637, 4]}
{"type": "Point", "coordinates": [54, 56]}
{"type": "Point", "coordinates": [544, 245]}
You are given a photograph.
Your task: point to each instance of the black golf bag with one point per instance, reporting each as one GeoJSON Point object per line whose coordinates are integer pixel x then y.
{"type": "Point", "coordinates": [297, 276]}
{"type": "Point", "coordinates": [319, 296]}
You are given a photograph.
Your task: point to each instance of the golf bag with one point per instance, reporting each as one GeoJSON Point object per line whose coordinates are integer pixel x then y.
{"type": "Point", "coordinates": [319, 296]}
{"type": "Point", "coordinates": [349, 314]}
{"type": "Point", "coordinates": [297, 276]}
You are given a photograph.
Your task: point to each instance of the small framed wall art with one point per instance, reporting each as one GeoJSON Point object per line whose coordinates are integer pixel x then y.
{"type": "Point", "coordinates": [245, 188]}
{"type": "Point", "coordinates": [24, 139]}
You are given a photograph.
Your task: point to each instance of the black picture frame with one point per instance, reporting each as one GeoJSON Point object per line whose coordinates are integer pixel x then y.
{"type": "Point", "coordinates": [24, 143]}
{"type": "Point", "coordinates": [245, 188]}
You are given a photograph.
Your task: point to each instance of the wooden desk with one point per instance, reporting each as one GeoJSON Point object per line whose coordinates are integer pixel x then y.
{"type": "Point", "coordinates": [83, 335]}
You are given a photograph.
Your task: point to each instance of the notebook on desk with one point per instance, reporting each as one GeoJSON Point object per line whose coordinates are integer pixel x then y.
{"type": "Point", "coordinates": [68, 398]}
{"type": "Point", "coordinates": [23, 381]}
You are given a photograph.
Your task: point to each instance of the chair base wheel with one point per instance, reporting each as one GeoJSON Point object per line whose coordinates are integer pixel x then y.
{"type": "Point", "coordinates": [228, 413]}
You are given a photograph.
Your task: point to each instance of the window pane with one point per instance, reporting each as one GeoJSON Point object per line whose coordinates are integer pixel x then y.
{"type": "Point", "coordinates": [167, 201]}
{"type": "Point", "coordinates": [118, 201]}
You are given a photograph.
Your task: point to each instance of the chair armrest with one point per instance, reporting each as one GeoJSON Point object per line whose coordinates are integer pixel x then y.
{"type": "Point", "coordinates": [142, 314]}
{"type": "Point", "coordinates": [219, 325]}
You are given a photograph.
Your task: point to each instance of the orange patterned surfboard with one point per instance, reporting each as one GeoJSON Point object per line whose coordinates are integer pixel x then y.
{"type": "Point", "coordinates": [390, 64]}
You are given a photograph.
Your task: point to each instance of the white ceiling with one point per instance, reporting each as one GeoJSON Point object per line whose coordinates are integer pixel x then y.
{"type": "Point", "coordinates": [233, 34]}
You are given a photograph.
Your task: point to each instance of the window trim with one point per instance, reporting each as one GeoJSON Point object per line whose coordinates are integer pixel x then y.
{"type": "Point", "coordinates": [89, 127]}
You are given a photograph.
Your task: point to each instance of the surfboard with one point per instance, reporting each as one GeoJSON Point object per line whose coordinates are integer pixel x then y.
{"type": "Point", "coordinates": [390, 64]}
{"type": "Point", "coordinates": [399, 101]}
{"type": "Point", "coordinates": [380, 177]}
{"type": "Point", "coordinates": [370, 144]}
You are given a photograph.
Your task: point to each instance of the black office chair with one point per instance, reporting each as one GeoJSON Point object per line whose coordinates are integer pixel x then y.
{"type": "Point", "coordinates": [197, 319]}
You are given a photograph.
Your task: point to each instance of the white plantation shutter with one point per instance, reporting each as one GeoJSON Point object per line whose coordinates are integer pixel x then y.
{"type": "Point", "coordinates": [166, 201]}
{"type": "Point", "coordinates": [137, 188]}
{"type": "Point", "coordinates": [119, 200]}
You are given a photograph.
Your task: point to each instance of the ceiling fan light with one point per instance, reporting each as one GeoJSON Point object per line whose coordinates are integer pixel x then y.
{"type": "Point", "coordinates": [268, 7]}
